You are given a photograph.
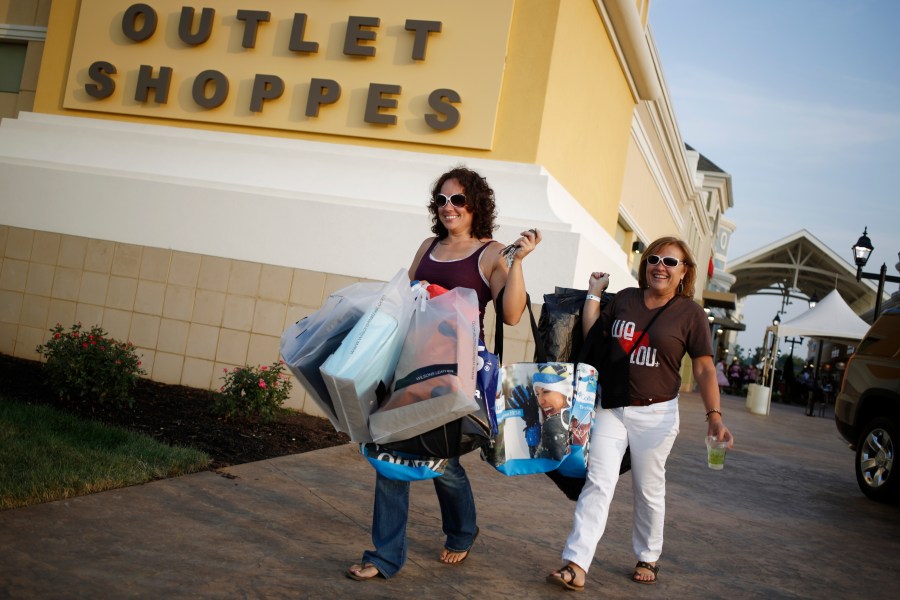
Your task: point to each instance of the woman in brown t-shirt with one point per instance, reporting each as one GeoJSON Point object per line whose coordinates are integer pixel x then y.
{"type": "Point", "coordinates": [649, 424]}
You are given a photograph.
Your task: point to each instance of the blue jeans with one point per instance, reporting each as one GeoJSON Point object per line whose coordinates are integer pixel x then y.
{"type": "Point", "coordinates": [392, 512]}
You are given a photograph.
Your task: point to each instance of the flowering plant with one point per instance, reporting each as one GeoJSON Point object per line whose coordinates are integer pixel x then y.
{"type": "Point", "coordinates": [90, 366]}
{"type": "Point", "coordinates": [253, 391]}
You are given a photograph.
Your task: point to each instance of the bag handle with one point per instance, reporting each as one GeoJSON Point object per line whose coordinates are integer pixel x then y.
{"type": "Point", "coordinates": [539, 352]}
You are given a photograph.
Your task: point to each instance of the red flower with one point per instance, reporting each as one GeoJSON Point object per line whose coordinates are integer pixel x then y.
{"type": "Point", "coordinates": [262, 384]}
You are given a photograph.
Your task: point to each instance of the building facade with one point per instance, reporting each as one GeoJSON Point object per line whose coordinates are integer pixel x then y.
{"type": "Point", "coordinates": [195, 178]}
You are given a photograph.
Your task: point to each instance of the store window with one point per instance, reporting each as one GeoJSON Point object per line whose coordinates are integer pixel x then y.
{"type": "Point", "coordinates": [12, 64]}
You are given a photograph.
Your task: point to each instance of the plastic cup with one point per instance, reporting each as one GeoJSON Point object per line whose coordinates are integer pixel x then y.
{"type": "Point", "coordinates": [715, 453]}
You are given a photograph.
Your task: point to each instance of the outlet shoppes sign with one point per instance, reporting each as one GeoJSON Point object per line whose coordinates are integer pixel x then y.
{"type": "Point", "coordinates": [408, 70]}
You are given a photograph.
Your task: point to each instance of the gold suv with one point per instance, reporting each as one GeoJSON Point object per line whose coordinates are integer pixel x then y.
{"type": "Point", "coordinates": [867, 410]}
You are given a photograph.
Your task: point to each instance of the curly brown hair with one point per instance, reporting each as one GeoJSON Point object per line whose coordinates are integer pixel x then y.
{"type": "Point", "coordinates": [690, 272]}
{"type": "Point", "coordinates": [479, 201]}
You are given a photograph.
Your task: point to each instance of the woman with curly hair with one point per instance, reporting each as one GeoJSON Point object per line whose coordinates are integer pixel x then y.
{"type": "Point", "coordinates": [462, 253]}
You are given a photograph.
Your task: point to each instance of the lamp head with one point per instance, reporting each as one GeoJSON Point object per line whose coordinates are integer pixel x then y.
{"type": "Point", "coordinates": [862, 249]}
{"type": "Point", "coordinates": [777, 320]}
{"type": "Point", "coordinates": [813, 300]}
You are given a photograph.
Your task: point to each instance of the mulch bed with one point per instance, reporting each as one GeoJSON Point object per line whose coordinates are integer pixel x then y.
{"type": "Point", "coordinates": [179, 415]}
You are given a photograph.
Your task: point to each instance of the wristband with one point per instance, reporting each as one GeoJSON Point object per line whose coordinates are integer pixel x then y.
{"type": "Point", "coordinates": [592, 297]}
{"type": "Point", "coordinates": [715, 410]}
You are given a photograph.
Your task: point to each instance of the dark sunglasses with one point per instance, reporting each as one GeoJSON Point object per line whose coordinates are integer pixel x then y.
{"type": "Point", "coordinates": [457, 200]}
{"type": "Point", "coordinates": [669, 261]}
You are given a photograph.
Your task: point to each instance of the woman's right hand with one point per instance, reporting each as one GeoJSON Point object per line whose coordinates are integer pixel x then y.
{"type": "Point", "coordinates": [598, 282]}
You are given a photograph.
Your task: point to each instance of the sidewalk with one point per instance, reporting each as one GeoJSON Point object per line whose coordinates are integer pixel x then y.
{"type": "Point", "coordinates": [784, 519]}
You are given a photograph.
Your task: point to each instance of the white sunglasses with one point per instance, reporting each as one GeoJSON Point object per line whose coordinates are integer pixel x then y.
{"type": "Point", "coordinates": [669, 261]}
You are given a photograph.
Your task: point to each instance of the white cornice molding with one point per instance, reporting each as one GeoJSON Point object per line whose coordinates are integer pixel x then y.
{"type": "Point", "coordinates": [623, 22]}
{"type": "Point", "coordinates": [641, 139]}
{"type": "Point", "coordinates": [24, 33]}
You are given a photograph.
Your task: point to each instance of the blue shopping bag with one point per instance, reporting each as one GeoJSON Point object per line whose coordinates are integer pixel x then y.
{"type": "Point", "coordinates": [401, 466]}
{"type": "Point", "coordinates": [487, 385]}
{"type": "Point", "coordinates": [582, 419]}
{"type": "Point", "coordinates": [541, 410]}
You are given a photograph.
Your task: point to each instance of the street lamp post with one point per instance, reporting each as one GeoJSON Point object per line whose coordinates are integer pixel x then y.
{"type": "Point", "coordinates": [861, 251]}
{"type": "Point", "coordinates": [792, 342]}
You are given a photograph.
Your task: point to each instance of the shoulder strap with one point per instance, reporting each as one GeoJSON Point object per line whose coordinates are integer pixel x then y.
{"type": "Point", "coordinates": [650, 324]}
{"type": "Point", "coordinates": [539, 352]}
{"type": "Point", "coordinates": [595, 336]}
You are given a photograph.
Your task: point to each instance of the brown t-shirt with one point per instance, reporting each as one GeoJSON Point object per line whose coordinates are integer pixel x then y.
{"type": "Point", "coordinates": [654, 369]}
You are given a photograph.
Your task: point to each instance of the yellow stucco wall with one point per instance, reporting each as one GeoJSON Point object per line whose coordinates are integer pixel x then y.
{"type": "Point", "coordinates": [587, 117]}
{"type": "Point", "coordinates": [562, 78]}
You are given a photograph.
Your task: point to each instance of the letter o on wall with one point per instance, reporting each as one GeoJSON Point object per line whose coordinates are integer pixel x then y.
{"type": "Point", "coordinates": [130, 19]}
{"type": "Point", "coordinates": [205, 80]}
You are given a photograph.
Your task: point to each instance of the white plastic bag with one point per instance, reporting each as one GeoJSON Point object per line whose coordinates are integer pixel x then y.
{"type": "Point", "coordinates": [306, 344]}
{"type": "Point", "coordinates": [359, 372]}
{"type": "Point", "coordinates": [434, 382]}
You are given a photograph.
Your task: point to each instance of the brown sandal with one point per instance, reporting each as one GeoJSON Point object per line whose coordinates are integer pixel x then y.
{"type": "Point", "coordinates": [560, 578]}
{"type": "Point", "coordinates": [465, 553]}
{"type": "Point", "coordinates": [645, 565]}
{"type": "Point", "coordinates": [354, 572]}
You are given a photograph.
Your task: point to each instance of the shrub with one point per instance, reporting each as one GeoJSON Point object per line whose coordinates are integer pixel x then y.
{"type": "Point", "coordinates": [89, 366]}
{"type": "Point", "coordinates": [253, 391]}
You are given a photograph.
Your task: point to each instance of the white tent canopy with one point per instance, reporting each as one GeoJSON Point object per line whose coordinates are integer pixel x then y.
{"type": "Point", "coordinates": [830, 319]}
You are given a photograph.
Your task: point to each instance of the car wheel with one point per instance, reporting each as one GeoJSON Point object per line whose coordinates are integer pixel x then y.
{"type": "Point", "coordinates": [875, 472]}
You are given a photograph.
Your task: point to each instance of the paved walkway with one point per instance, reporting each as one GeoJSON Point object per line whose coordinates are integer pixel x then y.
{"type": "Point", "coordinates": [784, 519]}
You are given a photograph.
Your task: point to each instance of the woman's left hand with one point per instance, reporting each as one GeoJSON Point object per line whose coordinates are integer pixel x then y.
{"type": "Point", "coordinates": [717, 429]}
{"type": "Point", "coordinates": [526, 243]}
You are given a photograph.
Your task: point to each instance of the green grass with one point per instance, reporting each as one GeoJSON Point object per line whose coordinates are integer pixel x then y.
{"type": "Point", "coordinates": [48, 455]}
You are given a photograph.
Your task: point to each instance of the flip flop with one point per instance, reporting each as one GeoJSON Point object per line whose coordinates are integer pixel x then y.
{"type": "Point", "coordinates": [465, 553]}
{"type": "Point", "coordinates": [559, 578]}
{"type": "Point", "coordinates": [645, 565]}
{"type": "Point", "coordinates": [355, 575]}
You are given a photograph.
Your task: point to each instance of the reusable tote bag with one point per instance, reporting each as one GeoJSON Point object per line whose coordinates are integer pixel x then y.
{"type": "Point", "coordinates": [434, 382]}
{"type": "Point", "coordinates": [307, 343]}
{"type": "Point", "coordinates": [535, 408]}
{"type": "Point", "coordinates": [359, 372]}
{"type": "Point", "coordinates": [401, 466]}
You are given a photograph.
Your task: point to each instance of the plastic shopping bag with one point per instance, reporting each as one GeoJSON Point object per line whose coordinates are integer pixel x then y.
{"type": "Point", "coordinates": [434, 382]}
{"type": "Point", "coordinates": [306, 344]}
{"type": "Point", "coordinates": [360, 371]}
{"type": "Point", "coordinates": [486, 386]}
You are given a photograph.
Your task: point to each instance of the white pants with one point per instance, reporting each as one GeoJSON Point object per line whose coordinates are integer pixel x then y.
{"type": "Point", "coordinates": [650, 432]}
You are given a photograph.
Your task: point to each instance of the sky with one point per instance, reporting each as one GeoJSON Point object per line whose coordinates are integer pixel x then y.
{"type": "Point", "coordinates": [799, 100]}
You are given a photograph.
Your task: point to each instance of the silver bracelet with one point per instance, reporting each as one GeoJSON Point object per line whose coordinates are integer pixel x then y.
{"type": "Point", "coordinates": [592, 297]}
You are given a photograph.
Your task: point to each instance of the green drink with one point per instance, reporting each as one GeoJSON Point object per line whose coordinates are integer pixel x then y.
{"type": "Point", "coordinates": [715, 453]}
{"type": "Point", "coordinates": [716, 458]}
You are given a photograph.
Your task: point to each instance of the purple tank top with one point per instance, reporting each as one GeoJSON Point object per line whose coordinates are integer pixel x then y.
{"type": "Point", "coordinates": [457, 273]}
